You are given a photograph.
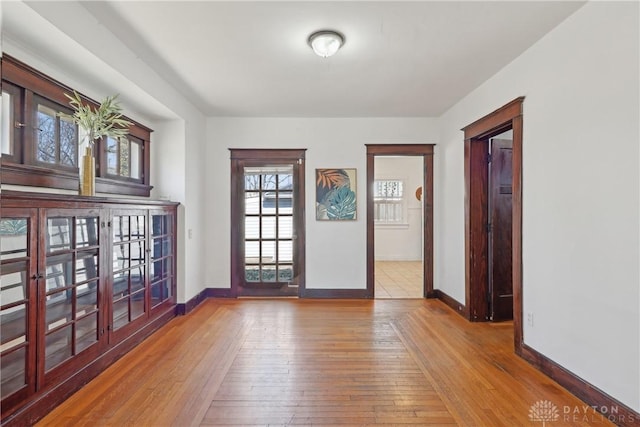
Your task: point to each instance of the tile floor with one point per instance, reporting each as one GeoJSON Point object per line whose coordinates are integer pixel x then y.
{"type": "Point", "coordinates": [398, 279]}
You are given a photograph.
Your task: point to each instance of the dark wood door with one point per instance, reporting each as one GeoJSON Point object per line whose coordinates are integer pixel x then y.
{"type": "Point", "coordinates": [267, 223]}
{"type": "Point", "coordinates": [500, 230]}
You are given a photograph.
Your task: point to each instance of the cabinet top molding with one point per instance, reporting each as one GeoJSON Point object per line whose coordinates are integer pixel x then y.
{"type": "Point", "coordinates": [10, 195]}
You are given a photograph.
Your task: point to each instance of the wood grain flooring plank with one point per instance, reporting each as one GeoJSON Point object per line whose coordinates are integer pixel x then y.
{"type": "Point", "coordinates": [288, 362]}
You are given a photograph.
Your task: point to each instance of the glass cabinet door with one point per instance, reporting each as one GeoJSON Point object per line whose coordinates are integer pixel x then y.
{"type": "Point", "coordinates": [129, 266]}
{"type": "Point", "coordinates": [71, 287]}
{"type": "Point", "coordinates": [161, 274]}
{"type": "Point", "coordinates": [18, 254]}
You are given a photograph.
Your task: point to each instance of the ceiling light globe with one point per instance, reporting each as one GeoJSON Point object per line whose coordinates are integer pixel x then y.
{"type": "Point", "coordinates": [326, 43]}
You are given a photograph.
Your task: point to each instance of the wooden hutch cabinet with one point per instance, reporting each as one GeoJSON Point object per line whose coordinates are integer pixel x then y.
{"type": "Point", "coordinates": [83, 280]}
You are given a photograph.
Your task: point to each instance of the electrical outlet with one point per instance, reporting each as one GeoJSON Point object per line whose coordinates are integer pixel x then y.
{"type": "Point", "coordinates": [530, 319]}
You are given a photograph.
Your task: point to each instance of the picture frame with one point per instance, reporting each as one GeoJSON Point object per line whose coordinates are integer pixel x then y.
{"type": "Point", "coordinates": [336, 194]}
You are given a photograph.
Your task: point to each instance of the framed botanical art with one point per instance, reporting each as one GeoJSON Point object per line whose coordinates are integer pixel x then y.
{"type": "Point", "coordinates": [336, 194]}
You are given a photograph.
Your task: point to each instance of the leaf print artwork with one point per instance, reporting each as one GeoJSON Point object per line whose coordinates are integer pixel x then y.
{"type": "Point", "coordinates": [336, 194]}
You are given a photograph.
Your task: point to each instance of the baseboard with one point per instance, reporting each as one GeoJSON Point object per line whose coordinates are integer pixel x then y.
{"type": "Point", "coordinates": [336, 293]}
{"type": "Point", "coordinates": [601, 406]}
{"type": "Point", "coordinates": [451, 302]}
{"type": "Point", "coordinates": [184, 308]}
{"type": "Point", "coordinates": [189, 306]}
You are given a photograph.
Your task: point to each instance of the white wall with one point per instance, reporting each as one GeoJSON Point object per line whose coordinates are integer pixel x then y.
{"type": "Point", "coordinates": [336, 251]}
{"type": "Point", "coordinates": [581, 193]}
{"type": "Point", "coordinates": [401, 242]}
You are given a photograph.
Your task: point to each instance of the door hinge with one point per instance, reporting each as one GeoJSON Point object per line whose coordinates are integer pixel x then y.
{"type": "Point", "coordinates": [488, 227]}
{"type": "Point", "coordinates": [489, 158]}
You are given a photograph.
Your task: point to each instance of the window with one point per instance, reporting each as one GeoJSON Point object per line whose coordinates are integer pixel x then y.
{"type": "Point", "coordinates": [39, 148]}
{"type": "Point", "coordinates": [388, 202]}
{"type": "Point", "coordinates": [12, 123]}
{"type": "Point", "coordinates": [57, 138]}
{"type": "Point", "coordinates": [124, 157]}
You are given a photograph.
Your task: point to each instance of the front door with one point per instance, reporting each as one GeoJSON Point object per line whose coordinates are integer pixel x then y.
{"type": "Point", "coordinates": [500, 227]}
{"type": "Point", "coordinates": [267, 222]}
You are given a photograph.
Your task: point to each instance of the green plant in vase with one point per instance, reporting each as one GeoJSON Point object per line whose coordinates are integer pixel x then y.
{"type": "Point", "coordinates": [106, 121]}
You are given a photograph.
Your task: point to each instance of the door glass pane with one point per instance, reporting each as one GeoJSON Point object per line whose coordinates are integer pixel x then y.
{"type": "Point", "coordinates": [159, 292]}
{"type": "Point", "coordinates": [269, 227]}
{"type": "Point", "coordinates": [160, 225]}
{"type": "Point", "coordinates": [58, 346]}
{"type": "Point", "coordinates": [268, 252]}
{"type": "Point", "coordinates": [12, 371]}
{"type": "Point", "coordinates": [285, 250]}
{"type": "Point", "coordinates": [137, 278]}
{"type": "Point", "coordinates": [136, 252]}
{"type": "Point", "coordinates": [86, 298]}
{"type": "Point", "coordinates": [58, 234]}
{"type": "Point", "coordinates": [268, 274]}
{"type": "Point", "coordinates": [137, 305]}
{"type": "Point", "coordinates": [13, 327]}
{"type": "Point", "coordinates": [252, 273]}
{"type": "Point", "coordinates": [268, 196]}
{"type": "Point", "coordinates": [120, 313]}
{"type": "Point", "coordinates": [120, 284]}
{"type": "Point", "coordinates": [120, 256]}
{"type": "Point", "coordinates": [285, 273]}
{"type": "Point", "coordinates": [252, 202]}
{"type": "Point", "coordinates": [252, 227]}
{"type": "Point", "coordinates": [137, 227]}
{"type": "Point", "coordinates": [285, 227]}
{"type": "Point", "coordinates": [86, 332]}
{"type": "Point", "coordinates": [13, 238]}
{"type": "Point", "coordinates": [86, 232]}
{"type": "Point", "coordinates": [58, 309]}
{"type": "Point", "coordinates": [120, 226]}
{"type": "Point", "coordinates": [59, 272]}
{"type": "Point", "coordinates": [86, 265]}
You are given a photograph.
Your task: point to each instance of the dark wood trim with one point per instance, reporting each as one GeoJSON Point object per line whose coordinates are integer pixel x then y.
{"type": "Point", "coordinates": [476, 214]}
{"type": "Point", "coordinates": [24, 169]}
{"type": "Point", "coordinates": [516, 224]}
{"type": "Point", "coordinates": [220, 293]}
{"type": "Point", "coordinates": [44, 403]}
{"type": "Point", "coordinates": [451, 302]}
{"type": "Point", "coordinates": [186, 308]}
{"type": "Point", "coordinates": [476, 136]}
{"type": "Point", "coordinates": [426, 151]}
{"type": "Point", "coordinates": [17, 199]}
{"type": "Point", "coordinates": [22, 74]}
{"type": "Point", "coordinates": [240, 158]}
{"type": "Point", "coordinates": [593, 396]}
{"type": "Point", "coordinates": [267, 153]}
{"type": "Point", "coordinates": [494, 122]}
{"type": "Point", "coordinates": [336, 293]}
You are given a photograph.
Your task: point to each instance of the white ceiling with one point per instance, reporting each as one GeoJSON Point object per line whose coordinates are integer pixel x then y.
{"type": "Point", "coordinates": [408, 59]}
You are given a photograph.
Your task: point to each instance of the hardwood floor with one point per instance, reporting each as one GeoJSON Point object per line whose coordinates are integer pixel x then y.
{"type": "Point", "coordinates": [399, 279]}
{"type": "Point", "coordinates": [265, 362]}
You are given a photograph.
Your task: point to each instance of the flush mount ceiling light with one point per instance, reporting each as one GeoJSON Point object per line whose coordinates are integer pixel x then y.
{"type": "Point", "coordinates": [326, 43]}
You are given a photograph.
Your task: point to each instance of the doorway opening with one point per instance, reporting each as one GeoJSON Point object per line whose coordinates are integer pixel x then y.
{"type": "Point", "coordinates": [267, 222]}
{"type": "Point", "coordinates": [383, 201]}
{"type": "Point", "coordinates": [397, 210]}
{"type": "Point", "coordinates": [493, 217]}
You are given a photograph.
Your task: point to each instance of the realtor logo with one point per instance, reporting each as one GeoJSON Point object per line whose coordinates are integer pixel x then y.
{"type": "Point", "coordinates": [544, 411]}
